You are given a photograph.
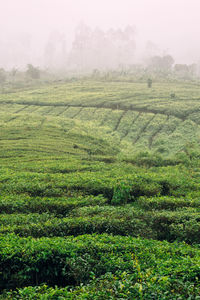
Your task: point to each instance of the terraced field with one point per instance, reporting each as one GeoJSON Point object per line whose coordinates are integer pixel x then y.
{"type": "Point", "coordinates": [137, 117]}
{"type": "Point", "coordinates": [100, 191]}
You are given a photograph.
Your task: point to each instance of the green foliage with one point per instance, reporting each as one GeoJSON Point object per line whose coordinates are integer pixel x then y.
{"type": "Point", "coordinates": [121, 193]}
{"type": "Point", "coordinates": [137, 118]}
{"type": "Point", "coordinates": [132, 220]}
{"type": "Point", "coordinates": [140, 267]}
{"type": "Point", "coordinates": [165, 202]}
{"type": "Point", "coordinates": [83, 158]}
{"type": "Point", "coordinates": [59, 206]}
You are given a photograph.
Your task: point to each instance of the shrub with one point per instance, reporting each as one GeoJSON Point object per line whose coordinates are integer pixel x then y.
{"type": "Point", "coordinates": [108, 264]}
{"type": "Point", "coordinates": [121, 194]}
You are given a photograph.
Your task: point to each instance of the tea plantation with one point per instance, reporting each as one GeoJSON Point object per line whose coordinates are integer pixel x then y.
{"type": "Point", "coordinates": [100, 191]}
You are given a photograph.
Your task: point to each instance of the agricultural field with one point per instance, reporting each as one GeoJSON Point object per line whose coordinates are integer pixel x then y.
{"type": "Point", "coordinates": [100, 191]}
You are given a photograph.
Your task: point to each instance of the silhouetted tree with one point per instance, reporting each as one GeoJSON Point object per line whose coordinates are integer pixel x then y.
{"type": "Point", "coordinates": [2, 76]}
{"type": "Point", "coordinates": [102, 50]}
{"type": "Point", "coordinates": [32, 72]}
{"type": "Point", "coordinates": [149, 82]}
{"type": "Point", "coordinates": [167, 62]}
{"type": "Point", "coordinates": [185, 71]}
{"type": "Point", "coordinates": [159, 63]}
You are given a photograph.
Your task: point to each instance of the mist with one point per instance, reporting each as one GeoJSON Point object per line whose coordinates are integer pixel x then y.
{"type": "Point", "coordinates": [93, 34]}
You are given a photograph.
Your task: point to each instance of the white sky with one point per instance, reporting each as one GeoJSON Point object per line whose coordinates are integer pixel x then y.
{"type": "Point", "coordinates": [172, 24]}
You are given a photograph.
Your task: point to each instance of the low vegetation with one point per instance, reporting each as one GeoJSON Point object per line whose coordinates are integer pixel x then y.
{"type": "Point", "coordinates": [100, 191]}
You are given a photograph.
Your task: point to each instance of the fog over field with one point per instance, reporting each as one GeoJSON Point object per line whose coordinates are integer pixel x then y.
{"type": "Point", "coordinates": [100, 149]}
{"type": "Point", "coordinates": [98, 34]}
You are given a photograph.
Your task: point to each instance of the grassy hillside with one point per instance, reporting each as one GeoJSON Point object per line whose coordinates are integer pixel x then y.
{"type": "Point", "coordinates": [100, 191]}
{"type": "Point", "coordinates": [137, 117]}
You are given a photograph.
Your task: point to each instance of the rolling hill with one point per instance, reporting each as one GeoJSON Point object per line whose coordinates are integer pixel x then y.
{"type": "Point", "coordinates": [100, 191]}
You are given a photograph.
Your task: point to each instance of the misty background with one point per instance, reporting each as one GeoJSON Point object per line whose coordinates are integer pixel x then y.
{"type": "Point", "coordinates": [93, 34]}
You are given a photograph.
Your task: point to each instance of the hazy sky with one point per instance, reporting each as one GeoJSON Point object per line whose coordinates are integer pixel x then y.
{"type": "Point", "coordinates": [172, 24]}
